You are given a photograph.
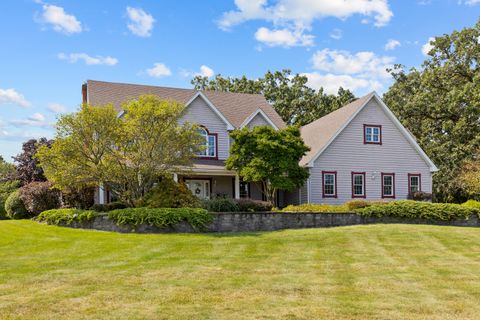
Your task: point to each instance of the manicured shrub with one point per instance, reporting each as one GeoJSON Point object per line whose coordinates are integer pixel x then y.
{"type": "Point", "coordinates": [6, 188]}
{"type": "Point", "coordinates": [82, 198]}
{"type": "Point", "coordinates": [358, 204]}
{"type": "Point", "coordinates": [169, 194]}
{"type": "Point", "coordinates": [249, 205]}
{"type": "Point", "coordinates": [14, 206]}
{"type": "Point", "coordinates": [160, 217]}
{"type": "Point", "coordinates": [221, 205]}
{"type": "Point", "coordinates": [108, 206]}
{"type": "Point", "coordinates": [66, 216]}
{"type": "Point", "coordinates": [39, 196]}
{"type": "Point", "coordinates": [311, 207]}
{"type": "Point", "coordinates": [416, 209]}
{"type": "Point", "coordinates": [472, 204]}
{"type": "Point", "coordinates": [420, 196]}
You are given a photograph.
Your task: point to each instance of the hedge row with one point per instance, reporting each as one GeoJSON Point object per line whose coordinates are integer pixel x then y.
{"type": "Point", "coordinates": [160, 217]}
{"type": "Point", "coordinates": [66, 216]}
{"type": "Point", "coordinates": [423, 210]}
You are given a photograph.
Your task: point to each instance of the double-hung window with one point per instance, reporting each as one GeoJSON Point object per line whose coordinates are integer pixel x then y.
{"type": "Point", "coordinates": [329, 184]}
{"type": "Point", "coordinates": [358, 185]}
{"type": "Point", "coordinates": [414, 182]}
{"type": "Point", "coordinates": [210, 140]}
{"type": "Point", "coordinates": [388, 185]}
{"type": "Point", "coordinates": [372, 134]}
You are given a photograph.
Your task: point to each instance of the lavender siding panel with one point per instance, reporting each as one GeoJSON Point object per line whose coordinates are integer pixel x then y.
{"type": "Point", "coordinates": [199, 112]}
{"type": "Point", "coordinates": [348, 153]}
{"type": "Point", "coordinates": [258, 120]}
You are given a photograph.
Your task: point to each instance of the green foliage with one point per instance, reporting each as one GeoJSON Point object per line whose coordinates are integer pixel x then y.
{"type": "Point", "coordinates": [311, 207]}
{"type": "Point", "coordinates": [472, 204]}
{"type": "Point", "coordinates": [14, 206]}
{"type": "Point", "coordinates": [66, 216]}
{"type": "Point", "coordinates": [440, 105]}
{"type": "Point", "coordinates": [94, 146]}
{"type": "Point", "coordinates": [108, 206]}
{"type": "Point", "coordinates": [169, 194]}
{"type": "Point", "coordinates": [7, 170]}
{"type": "Point", "coordinates": [289, 94]}
{"type": "Point", "coordinates": [269, 156]}
{"type": "Point", "coordinates": [358, 204]}
{"type": "Point", "coordinates": [420, 196]}
{"type": "Point", "coordinates": [78, 197]}
{"type": "Point", "coordinates": [415, 209]}
{"type": "Point", "coordinates": [6, 188]}
{"type": "Point", "coordinates": [249, 205]}
{"type": "Point", "coordinates": [161, 217]}
{"type": "Point", "coordinates": [39, 196]}
{"type": "Point", "coordinates": [220, 204]}
{"type": "Point", "coordinates": [470, 176]}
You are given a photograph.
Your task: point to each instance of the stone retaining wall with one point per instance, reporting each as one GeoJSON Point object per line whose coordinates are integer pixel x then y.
{"type": "Point", "coordinates": [269, 221]}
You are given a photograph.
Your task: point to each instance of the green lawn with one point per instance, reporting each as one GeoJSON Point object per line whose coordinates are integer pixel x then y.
{"type": "Point", "coordinates": [358, 272]}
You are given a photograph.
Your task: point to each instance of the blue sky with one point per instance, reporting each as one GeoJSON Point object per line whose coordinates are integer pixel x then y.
{"type": "Point", "coordinates": [49, 48]}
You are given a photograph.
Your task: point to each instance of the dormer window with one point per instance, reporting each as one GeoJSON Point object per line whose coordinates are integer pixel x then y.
{"type": "Point", "coordinates": [210, 140]}
{"type": "Point", "coordinates": [372, 134]}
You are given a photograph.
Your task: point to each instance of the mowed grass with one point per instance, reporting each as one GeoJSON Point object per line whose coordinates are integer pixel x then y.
{"type": "Point", "coordinates": [358, 272]}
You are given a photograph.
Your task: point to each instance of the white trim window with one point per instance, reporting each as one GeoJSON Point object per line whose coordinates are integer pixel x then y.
{"type": "Point", "coordinates": [414, 184]}
{"type": "Point", "coordinates": [210, 150]}
{"type": "Point", "coordinates": [358, 184]}
{"type": "Point", "coordinates": [388, 185]}
{"type": "Point", "coordinates": [329, 184]}
{"type": "Point", "coordinates": [373, 134]}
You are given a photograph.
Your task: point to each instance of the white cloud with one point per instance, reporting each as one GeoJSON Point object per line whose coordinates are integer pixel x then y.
{"type": "Point", "coordinates": [362, 71]}
{"type": "Point", "coordinates": [60, 20]}
{"type": "Point", "coordinates": [35, 120]}
{"type": "Point", "coordinates": [471, 2]}
{"type": "Point", "coordinates": [427, 46]}
{"type": "Point", "coordinates": [302, 13]}
{"type": "Point", "coordinates": [141, 23]}
{"type": "Point", "coordinates": [343, 62]}
{"type": "Point", "coordinates": [11, 96]}
{"type": "Point", "coordinates": [205, 71]}
{"type": "Point", "coordinates": [336, 34]}
{"type": "Point", "coordinates": [331, 82]}
{"type": "Point", "coordinates": [56, 107]}
{"type": "Point", "coordinates": [283, 37]}
{"type": "Point", "coordinates": [89, 60]}
{"type": "Point", "coordinates": [392, 44]}
{"type": "Point", "coordinates": [159, 70]}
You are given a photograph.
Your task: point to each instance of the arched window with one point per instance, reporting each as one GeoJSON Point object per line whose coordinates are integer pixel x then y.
{"type": "Point", "coordinates": [210, 150]}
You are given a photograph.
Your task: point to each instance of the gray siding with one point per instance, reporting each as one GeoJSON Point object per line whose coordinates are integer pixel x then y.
{"type": "Point", "coordinates": [199, 112]}
{"type": "Point", "coordinates": [348, 153]}
{"type": "Point", "coordinates": [258, 120]}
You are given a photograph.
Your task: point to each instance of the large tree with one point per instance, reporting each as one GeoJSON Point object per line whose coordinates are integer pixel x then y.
{"type": "Point", "coordinates": [95, 146]}
{"type": "Point", "coordinates": [440, 104]}
{"type": "Point", "coordinates": [27, 168]}
{"type": "Point", "coordinates": [269, 156]}
{"type": "Point", "coordinates": [7, 170]}
{"type": "Point", "coordinates": [289, 94]}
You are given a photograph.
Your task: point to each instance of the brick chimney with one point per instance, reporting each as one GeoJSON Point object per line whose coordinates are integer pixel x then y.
{"type": "Point", "coordinates": [84, 93]}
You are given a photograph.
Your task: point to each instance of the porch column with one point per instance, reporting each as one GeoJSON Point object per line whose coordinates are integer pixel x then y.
{"type": "Point", "coordinates": [101, 194]}
{"type": "Point", "coordinates": [175, 177]}
{"type": "Point", "coordinates": [237, 187]}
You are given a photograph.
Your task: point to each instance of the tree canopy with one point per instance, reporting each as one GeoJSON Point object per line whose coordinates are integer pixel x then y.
{"type": "Point", "coordinates": [27, 168]}
{"type": "Point", "coordinates": [289, 94]}
{"type": "Point", "coordinates": [95, 146]}
{"type": "Point", "coordinates": [269, 156]}
{"type": "Point", "coordinates": [440, 104]}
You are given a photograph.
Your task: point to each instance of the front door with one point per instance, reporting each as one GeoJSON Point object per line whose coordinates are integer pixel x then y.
{"type": "Point", "coordinates": [199, 188]}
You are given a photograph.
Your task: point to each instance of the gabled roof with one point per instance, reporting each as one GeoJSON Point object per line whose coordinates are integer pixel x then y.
{"type": "Point", "coordinates": [254, 114]}
{"type": "Point", "coordinates": [319, 134]}
{"type": "Point", "coordinates": [234, 107]}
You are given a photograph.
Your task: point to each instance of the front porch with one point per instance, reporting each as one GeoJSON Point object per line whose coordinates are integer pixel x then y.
{"type": "Point", "coordinates": [209, 178]}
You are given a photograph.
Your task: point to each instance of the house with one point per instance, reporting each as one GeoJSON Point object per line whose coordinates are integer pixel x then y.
{"type": "Point", "coordinates": [362, 151]}
{"type": "Point", "coordinates": [358, 151]}
{"type": "Point", "coordinates": [217, 113]}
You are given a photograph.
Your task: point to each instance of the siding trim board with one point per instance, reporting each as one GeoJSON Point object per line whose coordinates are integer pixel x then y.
{"type": "Point", "coordinates": [364, 196]}
{"type": "Point", "coordinates": [365, 133]}
{"type": "Point", "coordinates": [392, 196]}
